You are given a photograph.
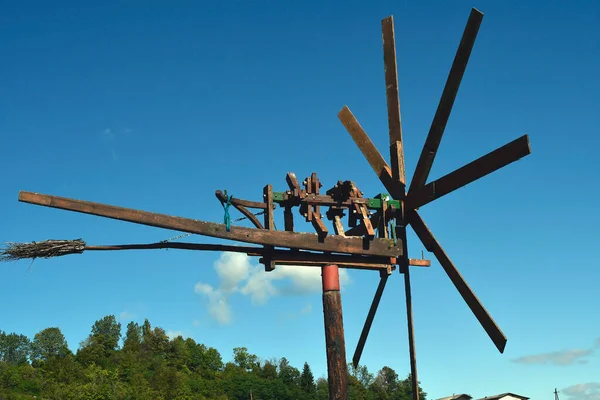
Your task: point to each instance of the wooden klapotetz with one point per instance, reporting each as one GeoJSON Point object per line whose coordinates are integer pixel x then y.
{"type": "Point", "coordinates": [375, 236]}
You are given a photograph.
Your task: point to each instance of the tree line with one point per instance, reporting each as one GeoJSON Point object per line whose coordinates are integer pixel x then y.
{"type": "Point", "coordinates": [145, 364]}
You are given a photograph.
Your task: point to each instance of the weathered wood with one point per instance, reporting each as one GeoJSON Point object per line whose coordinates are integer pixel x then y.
{"type": "Point", "coordinates": [319, 226]}
{"type": "Point", "coordinates": [240, 202]}
{"type": "Point", "coordinates": [411, 335]}
{"type": "Point", "coordinates": [363, 215]}
{"type": "Point", "coordinates": [360, 229]}
{"type": "Point", "coordinates": [270, 225]}
{"type": "Point", "coordinates": [370, 152]}
{"type": "Point", "coordinates": [469, 173]}
{"type": "Point", "coordinates": [434, 137]}
{"type": "Point", "coordinates": [362, 140]}
{"type": "Point", "coordinates": [291, 258]}
{"type": "Point", "coordinates": [307, 241]}
{"type": "Point", "coordinates": [338, 226]}
{"type": "Point", "coordinates": [369, 321]}
{"type": "Point", "coordinates": [350, 265]}
{"type": "Point", "coordinates": [293, 184]}
{"type": "Point", "coordinates": [288, 219]}
{"type": "Point", "coordinates": [415, 262]}
{"type": "Point", "coordinates": [337, 369]}
{"type": "Point", "coordinates": [393, 100]}
{"type": "Point", "coordinates": [432, 245]}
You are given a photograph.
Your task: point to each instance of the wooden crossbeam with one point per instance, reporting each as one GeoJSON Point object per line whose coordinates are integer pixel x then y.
{"type": "Point", "coordinates": [479, 168]}
{"type": "Point", "coordinates": [442, 114]}
{"type": "Point", "coordinates": [296, 240]}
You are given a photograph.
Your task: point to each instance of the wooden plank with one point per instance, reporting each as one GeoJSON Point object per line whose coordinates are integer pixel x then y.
{"type": "Point", "coordinates": [245, 203]}
{"type": "Point", "coordinates": [282, 257]}
{"type": "Point", "coordinates": [270, 225]}
{"type": "Point", "coordinates": [320, 259]}
{"type": "Point", "coordinates": [288, 219]}
{"type": "Point", "coordinates": [362, 140]}
{"type": "Point", "coordinates": [308, 241]}
{"type": "Point", "coordinates": [411, 334]}
{"type": "Point", "coordinates": [348, 265]}
{"type": "Point", "coordinates": [363, 215]}
{"type": "Point", "coordinates": [319, 226]}
{"type": "Point", "coordinates": [372, 310]}
{"type": "Point", "coordinates": [393, 100]}
{"type": "Point", "coordinates": [360, 229]}
{"type": "Point", "coordinates": [370, 152]}
{"type": "Point", "coordinates": [442, 114]}
{"type": "Point", "coordinates": [369, 321]}
{"type": "Point", "coordinates": [415, 262]}
{"type": "Point", "coordinates": [469, 173]}
{"type": "Point", "coordinates": [338, 226]}
{"type": "Point", "coordinates": [432, 245]}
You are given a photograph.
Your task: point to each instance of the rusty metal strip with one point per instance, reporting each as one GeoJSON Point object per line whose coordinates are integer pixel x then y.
{"type": "Point", "coordinates": [434, 137]}
{"type": "Point", "coordinates": [308, 241]}
{"type": "Point", "coordinates": [469, 173]}
{"type": "Point", "coordinates": [432, 245]}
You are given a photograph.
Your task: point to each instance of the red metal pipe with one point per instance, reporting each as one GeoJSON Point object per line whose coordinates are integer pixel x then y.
{"type": "Point", "coordinates": [331, 278]}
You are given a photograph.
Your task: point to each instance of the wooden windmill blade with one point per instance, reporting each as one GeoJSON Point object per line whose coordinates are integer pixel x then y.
{"type": "Point", "coordinates": [393, 179]}
{"type": "Point", "coordinates": [442, 113]}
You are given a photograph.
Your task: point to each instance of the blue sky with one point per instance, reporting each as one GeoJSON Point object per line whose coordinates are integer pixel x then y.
{"type": "Point", "coordinates": [154, 106]}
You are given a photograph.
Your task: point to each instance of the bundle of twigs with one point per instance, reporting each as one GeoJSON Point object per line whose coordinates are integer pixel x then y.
{"type": "Point", "coordinates": [57, 248]}
{"type": "Point", "coordinates": [45, 249]}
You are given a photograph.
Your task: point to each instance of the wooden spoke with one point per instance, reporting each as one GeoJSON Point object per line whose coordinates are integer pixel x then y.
{"type": "Point", "coordinates": [307, 241]}
{"type": "Point", "coordinates": [479, 168]}
{"type": "Point", "coordinates": [442, 113]}
{"type": "Point", "coordinates": [369, 321]}
{"type": "Point", "coordinates": [432, 245]}
{"type": "Point", "coordinates": [393, 100]}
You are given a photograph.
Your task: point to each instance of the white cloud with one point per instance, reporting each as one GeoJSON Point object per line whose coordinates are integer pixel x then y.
{"type": "Point", "coordinates": [126, 315]}
{"type": "Point", "coordinates": [173, 334]}
{"type": "Point", "coordinates": [218, 307]}
{"type": "Point", "coordinates": [238, 275]}
{"type": "Point", "coordinates": [564, 357]}
{"type": "Point", "coordinates": [306, 309]}
{"type": "Point", "coordinates": [583, 391]}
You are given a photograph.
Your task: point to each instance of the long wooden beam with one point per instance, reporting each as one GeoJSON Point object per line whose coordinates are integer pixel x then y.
{"type": "Point", "coordinates": [432, 245]}
{"type": "Point", "coordinates": [296, 240]}
{"type": "Point", "coordinates": [469, 173]}
{"type": "Point", "coordinates": [369, 321]}
{"type": "Point", "coordinates": [442, 114]}
{"type": "Point", "coordinates": [393, 99]}
{"type": "Point", "coordinates": [370, 152]}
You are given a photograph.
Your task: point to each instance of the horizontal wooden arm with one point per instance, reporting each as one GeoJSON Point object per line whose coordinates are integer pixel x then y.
{"type": "Point", "coordinates": [469, 173]}
{"type": "Point", "coordinates": [306, 241]}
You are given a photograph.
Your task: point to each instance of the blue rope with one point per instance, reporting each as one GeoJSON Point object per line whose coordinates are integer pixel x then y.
{"type": "Point", "coordinates": [227, 217]}
{"type": "Point", "coordinates": [393, 231]}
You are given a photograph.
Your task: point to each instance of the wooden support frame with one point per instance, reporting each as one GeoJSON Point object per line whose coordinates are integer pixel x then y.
{"type": "Point", "coordinates": [297, 240]}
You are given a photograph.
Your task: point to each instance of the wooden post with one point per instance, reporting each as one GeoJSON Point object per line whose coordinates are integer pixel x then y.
{"type": "Point", "coordinates": [337, 369]}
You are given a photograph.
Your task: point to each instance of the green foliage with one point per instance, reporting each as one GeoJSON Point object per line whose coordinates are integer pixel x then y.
{"type": "Point", "coordinates": [149, 366]}
{"type": "Point", "coordinates": [14, 348]}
